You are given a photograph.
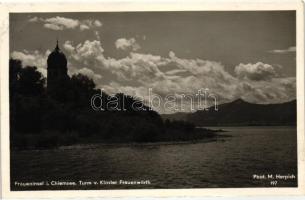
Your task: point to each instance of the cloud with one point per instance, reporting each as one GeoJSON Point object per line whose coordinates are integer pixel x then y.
{"type": "Point", "coordinates": [127, 44]}
{"type": "Point", "coordinates": [175, 71]}
{"type": "Point", "coordinates": [53, 27]}
{"type": "Point", "coordinates": [257, 72]}
{"type": "Point", "coordinates": [137, 72]}
{"type": "Point", "coordinates": [33, 19]}
{"type": "Point", "coordinates": [171, 54]}
{"type": "Point", "coordinates": [68, 46]}
{"type": "Point", "coordinates": [273, 91]}
{"type": "Point", "coordinates": [84, 27]}
{"type": "Point", "coordinates": [283, 51]}
{"type": "Point", "coordinates": [87, 52]}
{"type": "Point", "coordinates": [137, 68]}
{"type": "Point", "coordinates": [89, 73]}
{"type": "Point", "coordinates": [97, 23]}
{"type": "Point", "coordinates": [89, 23]}
{"type": "Point", "coordinates": [33, 58]}
{"type": "Point", "coordinates": [97, 35]}
{"type": "Point", "coordinates": [61, 23]}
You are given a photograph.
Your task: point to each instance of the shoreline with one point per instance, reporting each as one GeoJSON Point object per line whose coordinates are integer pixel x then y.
{"type": "Point", "coordinates": [124, 144]}
{"type": "Point", "coordinates": [93, 145]}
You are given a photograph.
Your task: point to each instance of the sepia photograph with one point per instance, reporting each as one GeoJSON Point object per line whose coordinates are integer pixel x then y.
{"type": "Point", "coordinates": [153, 100]}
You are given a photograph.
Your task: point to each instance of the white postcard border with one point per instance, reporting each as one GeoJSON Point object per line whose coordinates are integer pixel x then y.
{"type": "Point", "coordinates": [5, 9]}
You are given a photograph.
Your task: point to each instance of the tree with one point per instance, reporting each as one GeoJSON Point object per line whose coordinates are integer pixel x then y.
{"type": "Point", "coordinates": [31, 81]}
{"type": "Point", "coordinates": [82, 88]}
{"type": "Point", "coordinates": [14, 71]}
{"type": "Point", "coordinates": [26, 92]}
{"type": "Point", "coordinates": [25, 81]}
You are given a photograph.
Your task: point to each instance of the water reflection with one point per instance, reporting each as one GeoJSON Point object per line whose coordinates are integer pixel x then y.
{"type": "Point", "coordinates": [229, 162]}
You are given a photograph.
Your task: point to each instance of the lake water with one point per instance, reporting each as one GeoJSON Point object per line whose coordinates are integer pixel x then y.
{"type": "Point", "coordinates": [226, 162]}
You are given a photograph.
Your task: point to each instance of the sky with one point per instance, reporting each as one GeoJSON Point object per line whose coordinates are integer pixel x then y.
{"type": "Point", "coordinates": [234, 54]}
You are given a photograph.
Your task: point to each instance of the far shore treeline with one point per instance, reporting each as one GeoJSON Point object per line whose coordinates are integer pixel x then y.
{"type": "Point", "coordinates": [39, 121]}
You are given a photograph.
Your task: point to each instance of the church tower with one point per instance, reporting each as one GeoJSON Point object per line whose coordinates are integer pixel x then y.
{"type": "Point", "coordinates": [57, 78]}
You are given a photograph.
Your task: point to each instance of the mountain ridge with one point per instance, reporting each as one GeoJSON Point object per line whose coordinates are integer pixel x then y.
{"type": "Point", "coordinates": [241, 113]}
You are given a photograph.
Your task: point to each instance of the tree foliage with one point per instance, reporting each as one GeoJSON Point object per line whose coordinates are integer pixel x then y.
{"type": "Point", "coordinates": [38, 120]}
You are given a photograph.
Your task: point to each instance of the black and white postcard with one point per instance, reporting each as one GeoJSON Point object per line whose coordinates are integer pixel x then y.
{"type": "Point", "coordinates": [113, 100]}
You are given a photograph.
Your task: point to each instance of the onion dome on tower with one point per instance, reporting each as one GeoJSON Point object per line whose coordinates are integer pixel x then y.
{"type": "Point", "coordinates": [57, 58]}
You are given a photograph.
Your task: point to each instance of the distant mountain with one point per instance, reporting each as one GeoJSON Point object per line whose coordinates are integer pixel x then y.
{"type": "Point", "coordinates": [179, 116]}
{"type": "Point", "coordinates": [241, 113]}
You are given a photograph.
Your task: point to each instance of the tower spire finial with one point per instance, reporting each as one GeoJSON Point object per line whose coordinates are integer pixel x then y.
{"type": "Point", "coordinates": [57, 48]}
